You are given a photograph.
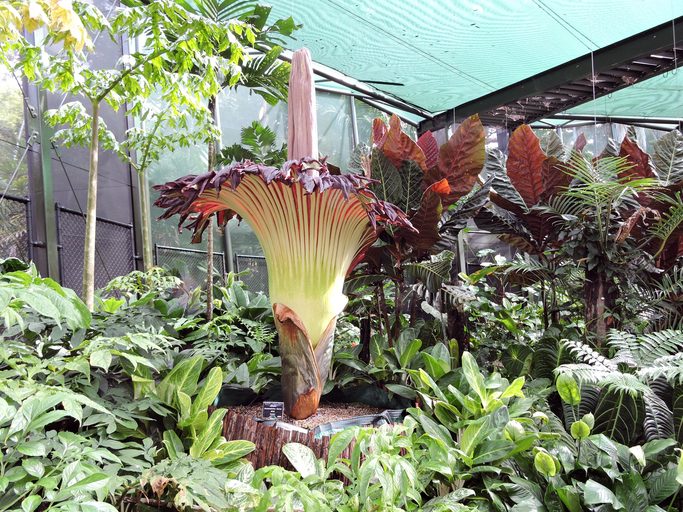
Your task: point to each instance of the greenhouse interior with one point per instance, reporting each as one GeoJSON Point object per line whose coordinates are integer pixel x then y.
{"type": "Point", "coordinates": [314, 255]}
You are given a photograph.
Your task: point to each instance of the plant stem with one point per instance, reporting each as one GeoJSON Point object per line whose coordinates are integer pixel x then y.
{"type": "Point", "coordinates": [383, 312]}
{"type": "Point", "coordinates": [673, 499]}
{"type": "Point", "coordinates": [91, 213]}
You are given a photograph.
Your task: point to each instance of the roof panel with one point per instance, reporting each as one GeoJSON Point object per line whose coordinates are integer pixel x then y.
{"type": "Point", "coordinates": [440, 54]}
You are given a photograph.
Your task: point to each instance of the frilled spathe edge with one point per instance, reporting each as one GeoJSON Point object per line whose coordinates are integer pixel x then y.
{"type": "Point", "coordinates": [179, 196]}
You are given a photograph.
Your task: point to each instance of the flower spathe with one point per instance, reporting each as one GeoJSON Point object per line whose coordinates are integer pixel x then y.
{"type": "Point", "coordinates": [313, 227]}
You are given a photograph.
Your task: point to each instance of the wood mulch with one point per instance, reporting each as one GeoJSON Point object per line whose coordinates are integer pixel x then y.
{"type": "Point", "coordinates": [326, 413]}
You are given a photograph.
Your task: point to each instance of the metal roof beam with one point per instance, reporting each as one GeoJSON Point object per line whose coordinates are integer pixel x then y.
{"type": "Point", "coordinates": [638, 48]}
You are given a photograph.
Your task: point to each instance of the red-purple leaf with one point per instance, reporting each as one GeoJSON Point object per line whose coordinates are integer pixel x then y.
{"type": "Point", "coordinates": [461, 159]}
{"type": "Point", "coordinates": [540, 226]}
{"type": "Point", "coordinates": [524, 165]}
{"type": "Point", "coordinates": [506, 204]}
{"type": "Point", "coordinates": [379, 133]}
{"type": "Point", "coordinates": [521, 243]}
{"type": "Point", "coordinates": [580, 143]}
{"type": "Point", "coordinates": [399, 147]}
{"type": "Point", "coordinates": [430, 147]}
{"type": "Point", "coordinates": [638, 159]}
{"type": "Point", "coordinates": [555, 177]}
{"type": "Point", "coordinates": [426, 219]}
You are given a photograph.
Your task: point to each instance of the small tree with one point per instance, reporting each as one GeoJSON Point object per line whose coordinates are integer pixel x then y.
{"type": "Point", "coordinates": [162, 65]}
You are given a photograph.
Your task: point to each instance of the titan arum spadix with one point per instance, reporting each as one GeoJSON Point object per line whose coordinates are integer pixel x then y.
{"type": "Point", "coordinates": [313, 227]}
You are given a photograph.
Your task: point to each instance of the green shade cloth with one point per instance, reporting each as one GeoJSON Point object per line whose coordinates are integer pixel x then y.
{"type": "Point", "coordinates": [659, 97]}
{"type": "Point", "coordinates": [438, 54]}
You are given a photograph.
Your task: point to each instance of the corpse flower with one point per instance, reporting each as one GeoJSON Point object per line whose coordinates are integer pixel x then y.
{"type": "Point", "coordinates": [313, 227]}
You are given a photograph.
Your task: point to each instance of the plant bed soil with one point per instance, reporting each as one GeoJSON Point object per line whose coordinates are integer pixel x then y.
{"type": "Point", "coordinates": [238, 423]}
{"type": "Point", "coordinates": [326, 413]}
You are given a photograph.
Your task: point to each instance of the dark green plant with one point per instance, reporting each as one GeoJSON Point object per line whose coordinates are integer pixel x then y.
{"type": "Point", "coordinates": [257, 144]}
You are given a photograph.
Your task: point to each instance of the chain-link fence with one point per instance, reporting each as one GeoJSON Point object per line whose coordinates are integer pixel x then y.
{"type": "Point", "coordinates": [15, 234]}
{"type": "Point", "coordinates": [257, 279]}
{"type": "Point", "coordinates": [191, 263]}
{"type": "Point", "coordinates": [114, 244]}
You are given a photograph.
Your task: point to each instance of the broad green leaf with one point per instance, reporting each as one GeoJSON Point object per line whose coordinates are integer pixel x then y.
{"type": "Point", "coordinates": [409, 353]}
{"type": "Point", "coordinates": [183, 378]}
{"type": "Point", "coordinates": [474, 376]}
{"type": "Point", "coordinates": [568, 389]}
{"type": "Point", "coordinates": [474, 434]}
{"type": "Point", "coordinates": [31, 503]}
{"type": "Point", "coordinates": [668, 158]}
{"type": "Point", "coordinates": [101, 359]}
{"type": "Point", "coordinates": [338, 444]}
{"type": "Point", "coordinates": [173, 444]}
{"type": "Point", "coordinates": [434, 367]}
{"type": "Point", "coordinates": [595, 494]}
{"type": "Point", "coordinates": [302, 458]}
{"type": "Point", "coordinates": [490, 451]}
{"type": "Point", "coordinates": [570, 498]}
{"type": "Point", "coordinates": [662, 486]}
{"type": "Point", "coordinates": [208, 392]}
{"type": "Point", "coordinates": [514, 389]}
{"type": "Point", "coordinates": [213, 430]}
{"type": "Point", "coordinates": [33, 467]}
{"type": "Point", "coordinates": [401, 390]}
{"type": "Point", "coordinates": [233, 450]}
{"type": "Point", "coordinates": [435, 430]}
{"type": "Point", "coordinates": [545, 464]}
{"type": "Point", "coordinates": [580, 430]}
{"type": "Point", "coordinates": [33, 448]}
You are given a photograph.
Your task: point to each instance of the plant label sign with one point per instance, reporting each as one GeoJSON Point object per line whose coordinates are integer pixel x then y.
{"type": "Point", "coordinates": [273, 410]}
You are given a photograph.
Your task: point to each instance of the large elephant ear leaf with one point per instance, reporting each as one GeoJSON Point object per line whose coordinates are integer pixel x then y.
{"type": "Point", "coordinates": [501, 185]}
{"type": "Point", "coordinates": [430, 147]}
{"type": "Point", "coordinates": [555, 176]}
{"type": "Point", "coordinates": [460, 161]}
{"type": "Point", "coordinates": [637, 158]}
{"type": "Point", "coordinates": [524, 165]}
{"type": "Point", "coordinates": [426, 219]}
{"type": "Point", "coordinates": [379, 133]}
{"type": "Point", "coordinates": [619, 415]}
{"type": "Point", "coordinates": [399, 146]}
{"type": "Point", "coordinates": [668, 158]}
{"type": "Point", "coordinates": [433, 273]}
{"type": "Point", "coordinates": [659, 419]}
{"type": "Point", "coordinates": [390, 186]}
{"type": "Point", "coordinates": [411, 179]}
{"type": "Point", "coordinates": [456, 218]}
{"type": "Point", "coordinates": [678, 412]}
{"type": "Point", "coordinates": [551, 145]}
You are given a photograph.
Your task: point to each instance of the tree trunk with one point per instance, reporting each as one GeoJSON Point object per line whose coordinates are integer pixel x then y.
{"type": "Point", "coordinates": [457, 330]}
{"type": "Point", "coordinates": [147, 259]}
{"type": "Point", "coordinates": [599, 302]}
{"type": "Point", "coordinates": [365, 335]}
{"type": "Point", "coordinates": [91, 213]}
{"type": "Point", "coordinates": [209, 231]}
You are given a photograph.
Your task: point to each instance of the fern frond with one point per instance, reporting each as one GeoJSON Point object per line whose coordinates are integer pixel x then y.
{"type": "Point", "coordinates": [669, 367]}
{"type": "Point", "coordinates": [669, 223]}
{"type": "Point", "coordinates": [585, 372]}
{"type": "Point", "coordinates": [660, 344]}
{"type": "Point", "coordinates": [624, 383]}
{"type": "Point", "coordinates": [586, 353]}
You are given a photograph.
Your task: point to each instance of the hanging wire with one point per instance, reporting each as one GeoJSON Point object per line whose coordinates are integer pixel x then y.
{"type": "Point", "coordinates": [593, 80]}
{"type": "Point", "coordinates": [678, 79]}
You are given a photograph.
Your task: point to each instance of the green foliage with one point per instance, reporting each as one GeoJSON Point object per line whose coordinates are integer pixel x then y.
{"type": "Point", "coordinates": [257, 144]}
